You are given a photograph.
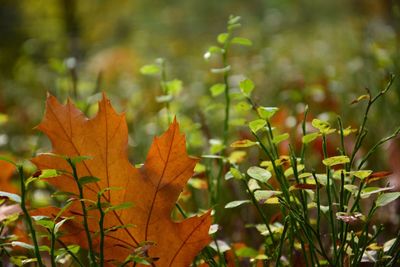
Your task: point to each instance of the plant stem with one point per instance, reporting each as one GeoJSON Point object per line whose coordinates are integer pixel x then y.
{"type": "Point", "coordinates": [328, 192]}
{"type": "Point", "coordinates": [70, 253]}
{"type": "Point", "coordinates": [92, 259]}
{"type": "Point", "coordinates": [27, 216]}
{"type": "Point", "coordinates": [52, 248]}
{"type": "Point", "coordinates": [101, 230]}
{"type": "Point", "coordinates": [285, 227]}
{"type": "Point", "coordinates": [260, 211]}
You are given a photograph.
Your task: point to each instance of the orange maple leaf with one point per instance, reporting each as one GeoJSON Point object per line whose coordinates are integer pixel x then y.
{"type": "Point", "coordinates": [153, 188]}
{"type": "Point", "coordinates": [6, 172]}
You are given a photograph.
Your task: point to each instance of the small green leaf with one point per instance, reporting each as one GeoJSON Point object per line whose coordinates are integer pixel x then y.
{"type": "Point", "coordinates": [243, 143]}
{"type": "Point", "coordinates": [213, 50]}
{"type": "Point", "coordinates": [351, 188]}
{"type": "Point", "coordinates": [2, 158]}
{"type": "Point", "coordinates": [360, 98]}
{"type": "Point", "coordinates": [263, 195]}
{"type": "Point", "coordinates": [242, 41]}
{"type": "Point", "coordinates": [386, 198]}
{"type": "Point", "coordinates": [221, 70]}
{"type": "Point", "coordinates": [216, 146]}
{"type": "Point", "coordinates": [233, 19]}
{"type": "Point", "coordinates": [320, 125]}
{"type": "Point", "coordinates": [336, 160]}
{"type": "Point", "coordinates": [368, 191]}
{"type": "Point", "coordinates": [246, 252]}
{"type": "Point", "coordinates": [150, 69]}
{"type": "Point", "coordinates": [257, 125]}
{"type": "Point", "coordinates": [121, 206]}
{"type": "Point", "coordinates": [348, 131]}
{"type": "Point", "coordinates": [236, 173]}
{"type": "Point", "coordinates": [308, 138]}
{"type": "Point", "coordinates": [49, 173]}
{"type": "Point", "coordinates": [266, 112]}
{"type": "Point", "coordinates": [222, 37]}
{"type": "Point", "coordinates": [88, 179]}
{"type": "Point", "coordinates": [63, 194]}
{"type": "Point", "coordinates": [64, 208]}
{"type": "Point", "coordinates": [361, 174]}
{"type": "Point", "coordinates": [60, 223]}
{"type": "Point", "coordinates": [236, 203]}
{"type": "Point", "coordinates": [10, 196]}
{"type": "Point", "coordinates": [259, 174]}
{"type": "Point", "coordinates": [246, 86]}
{"type": "Point", "coordinates": [280, 138]}
{"type": "Point", "coordinates": [164, 98]}
{"type": "Point", "coordinates": [243, 106]}
{"type": "Point", "coordinates": [44, 221]}
{"type": "Point", "coordinates": [289, 171]}
{"type": "Point", "coordinates": [217, 89]}
{"type": "Point", "coordinates": [174, 86]}
{"type": "Point", "coordinates": [22, 245]}
{"type": "Point", "coordinates": [323, 126]}
{"type": "Point", "coordinates": [216, 49]}
{"type": "Point", "coordinates": [79, 159]}
{"type": "Point", "coordinates": [30, 180]}
{"type": "Point", "coordinates": [253, 185]}
{"type": "Point", "coordinates": [237, 122]}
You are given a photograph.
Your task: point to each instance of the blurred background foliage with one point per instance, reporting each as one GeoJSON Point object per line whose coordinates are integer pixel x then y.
{"type": "Point", "coordinates": [315, 52]}
{"type": "Point", "coordinates": [322, 53]}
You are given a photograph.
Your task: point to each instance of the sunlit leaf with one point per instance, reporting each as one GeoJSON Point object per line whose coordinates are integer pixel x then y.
{"type": "Point", "coordinates": [336, 160]}
{"type": "Point", "coordinates": [150, 69]}
{"type": "Point", "coordinates": [242, 41]}
{"type": "Point", "coordinates": [257, 125]}
{"type": "Point", "coordinates": [236, 203]}
{"type": "Point", "coordinates": [259, 174]}
{"type": "Point", "coordinates": [236, 173]}
{"type": "Point", "coordinates": [266, 112]}
{"type": "Point", "coordinates": [360, 98]}
{"type": "Point", "coordinates": [217, 89]}
{"type": "Point", "coordinates": [280, 138]}
{"type": "Point", "coordinates": [13, 197]}
{"type": "Point", "coordinates": [308, 138]}
{"type": "Point", "coordinates": [263, 195]}
{"type": "Point", "coordinates": [361, 174]}
{"type": "Point", "coordinates": [386, 198]}
{"type": "Point", "coordinates": [243, 143]}
{"type": "Point", "coordinates": [222, 37]}
{"type": "Point", "coordinates": [246, 86]}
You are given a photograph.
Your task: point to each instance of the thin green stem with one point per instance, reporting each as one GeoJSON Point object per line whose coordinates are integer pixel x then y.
{"type": "Point", "coordinates": [329, 196]}
{"type": "Point", "coordinates": [283, 235]}
{"type": "Point", "coordinates": [91, 256]}
{"type": "Point", "coordinates": [101, 230]}
{"type": "Point", "coordinates": [52, 247]}
{"type": "Point", "coordinates": [259, 209]}
{"type": "Point", "coordinates": [164, 87]}
{"type": "Point", "coordinates": [27, 216]}
{"type": "Point", "coordinates": [70, 253]}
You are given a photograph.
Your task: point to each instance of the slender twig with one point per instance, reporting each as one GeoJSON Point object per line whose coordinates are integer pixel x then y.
{"type": "Point", "coordinates": [27, 216]}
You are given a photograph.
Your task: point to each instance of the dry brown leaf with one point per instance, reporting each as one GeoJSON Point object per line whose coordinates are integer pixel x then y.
{"type": "Point", "coordinates": [153, 189]}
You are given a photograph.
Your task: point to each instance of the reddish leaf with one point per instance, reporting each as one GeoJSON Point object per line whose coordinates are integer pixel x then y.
{"type": "Point", "coordinates": [377, 176]}
{"type": "Point", "coordinates": [153, 189]}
